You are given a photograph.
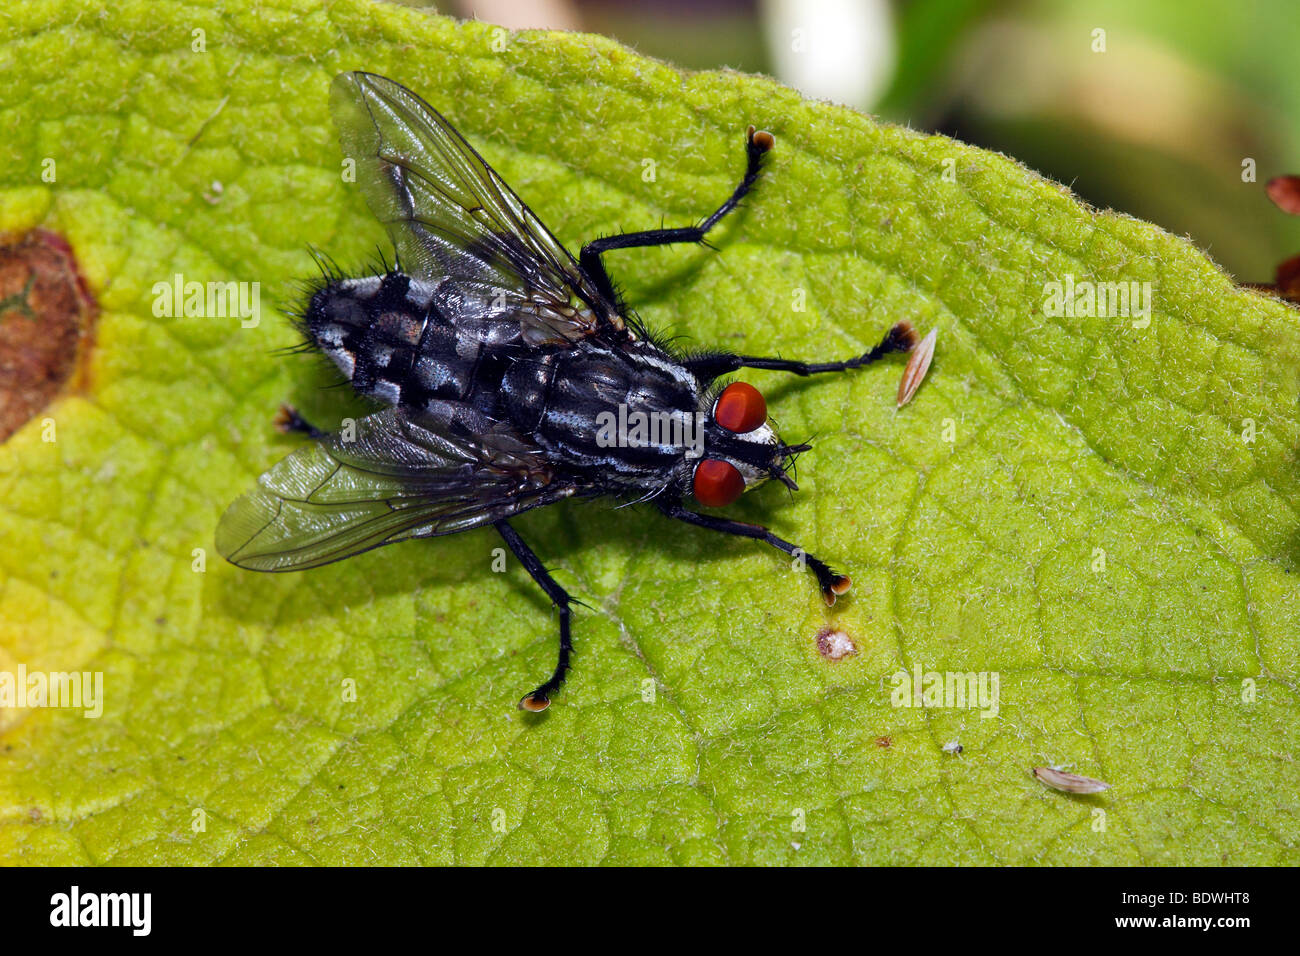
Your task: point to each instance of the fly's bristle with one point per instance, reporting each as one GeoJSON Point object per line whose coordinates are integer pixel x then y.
{"type": "Point", "coordinates": [664, 341]}
{"type": "Point", "coordinates": [329, 269]}
{"type": "Point", "coordinates": [380, 265]}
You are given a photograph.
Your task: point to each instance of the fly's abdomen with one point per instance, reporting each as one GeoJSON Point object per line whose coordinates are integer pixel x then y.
{"type": "Point", "coordinates": [387, 335]}
{"type": "Point", "coordinates": [526, 389]}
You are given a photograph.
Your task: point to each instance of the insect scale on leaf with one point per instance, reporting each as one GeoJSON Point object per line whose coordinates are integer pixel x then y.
{"type": "Point", "coordinates": [504, 363]}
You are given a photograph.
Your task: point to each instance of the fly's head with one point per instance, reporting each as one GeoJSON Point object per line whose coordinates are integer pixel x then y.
{"type": "Point", "coordinates": [741, 450]}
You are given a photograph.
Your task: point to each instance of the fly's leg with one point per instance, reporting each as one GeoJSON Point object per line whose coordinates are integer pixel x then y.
{"type": "Point", "coordinates": [540, 699]}
{"type": "Point", "coordinates": [757, 142]}
{"type": "Point", "coordinates": [902, 337]}
{"type": "Point", "coordinates": [832, 583]}
{"type": "Point", "coordinates": [288, 420]}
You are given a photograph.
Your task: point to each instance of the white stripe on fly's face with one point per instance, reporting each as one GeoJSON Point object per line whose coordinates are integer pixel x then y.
{"type": "Point", "coordinates": [762, 435]}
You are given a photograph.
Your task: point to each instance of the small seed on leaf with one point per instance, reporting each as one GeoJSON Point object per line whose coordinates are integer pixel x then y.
{"type": "Point", "coordinates": [917, 365]}
{"type": "Point", "coordinates": [1069, 782]}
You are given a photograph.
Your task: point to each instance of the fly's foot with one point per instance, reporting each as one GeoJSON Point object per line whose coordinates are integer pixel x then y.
{"type": "Point", "coordinates": [287, 421]}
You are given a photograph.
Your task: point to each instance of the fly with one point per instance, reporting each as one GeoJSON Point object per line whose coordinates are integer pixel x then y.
{"type": "Point", "coordinates": [511, 372]}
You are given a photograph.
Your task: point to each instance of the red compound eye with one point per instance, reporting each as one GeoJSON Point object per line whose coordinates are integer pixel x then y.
{"type": "Point", "coordinates": [740, 408]}
{"type": "Point", "coordinates": [717, 483]}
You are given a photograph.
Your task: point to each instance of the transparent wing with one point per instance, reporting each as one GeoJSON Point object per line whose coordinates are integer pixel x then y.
{"type": "Point", "coordinates": [402, 475]}
{"type": "Point", "coordinates": [451, 217]}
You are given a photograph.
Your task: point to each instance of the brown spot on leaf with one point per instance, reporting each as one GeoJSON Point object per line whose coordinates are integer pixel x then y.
{"type": "Point", "coordinates": [47, 317]}
{"type": "Point", "coordinates": [835, 644]}
{"type": "Point", "coordinates": [885, 742]}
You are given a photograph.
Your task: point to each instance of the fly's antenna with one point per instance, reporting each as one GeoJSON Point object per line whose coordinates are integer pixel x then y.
{"type": "Point", "coordinates": [780, 474]}
{"type": "Point", "coordinates": [787, 471]}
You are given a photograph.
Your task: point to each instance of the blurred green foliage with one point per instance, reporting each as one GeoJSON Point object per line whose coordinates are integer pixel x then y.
{"type": "Point", "coordinates": [1158, 125]}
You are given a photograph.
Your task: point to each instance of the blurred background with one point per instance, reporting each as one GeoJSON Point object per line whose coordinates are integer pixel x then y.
{"type": "Point", "coordinates": [1176, 111]}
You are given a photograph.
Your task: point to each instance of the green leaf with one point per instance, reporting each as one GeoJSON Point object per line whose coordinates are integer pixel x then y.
{"type": "Point", "coordinates": [1068, 502]}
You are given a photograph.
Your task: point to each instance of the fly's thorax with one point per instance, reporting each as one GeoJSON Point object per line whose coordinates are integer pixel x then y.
{"type": "Point", "coordinates": [627, 414]}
